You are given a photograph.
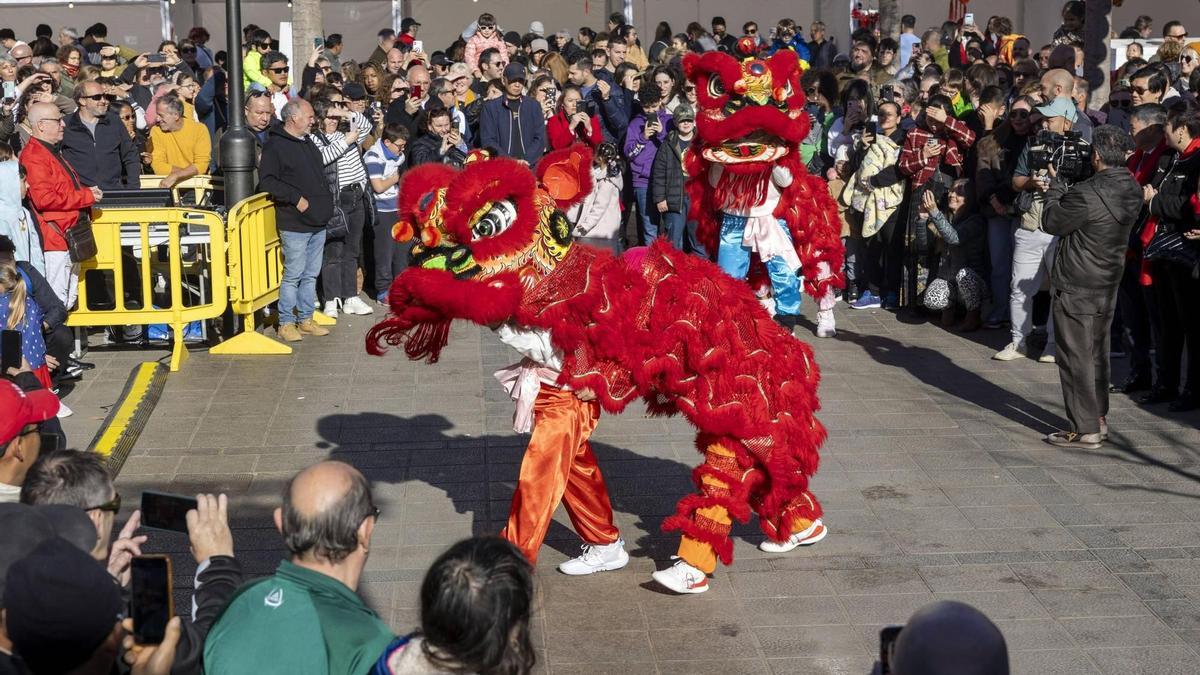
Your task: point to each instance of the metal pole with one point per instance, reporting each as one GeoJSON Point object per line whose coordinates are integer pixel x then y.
{"type": "Point", "coordinates": [237, 145]}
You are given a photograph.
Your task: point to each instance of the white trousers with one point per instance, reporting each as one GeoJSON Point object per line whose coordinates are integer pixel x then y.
{"type": "Point", "coordinates": [63, 276]}
{"type": "Point", "coordinates": [1033, 256]}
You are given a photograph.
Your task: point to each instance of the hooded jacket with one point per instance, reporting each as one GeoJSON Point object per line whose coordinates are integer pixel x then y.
{"type": "Point", "coordinates": [1093, 219]}
{"type": "Point", "coordinates": [291, 169]}
{"type": "Point", "coordinates": [16, 222]}
{"type": "Point", "coordinates": [55, 192]}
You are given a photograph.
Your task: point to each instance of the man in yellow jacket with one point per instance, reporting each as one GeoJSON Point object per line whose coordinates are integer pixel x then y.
{"type": "Point", "coordinates": [179, 147]}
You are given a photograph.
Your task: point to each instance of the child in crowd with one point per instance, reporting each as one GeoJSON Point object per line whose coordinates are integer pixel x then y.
{"type": "Point", "coordinates": [597, 219]}
{"type": "Point", "coordinates": [385, 162]}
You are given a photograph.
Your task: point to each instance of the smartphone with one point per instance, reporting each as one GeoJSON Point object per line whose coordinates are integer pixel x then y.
{"type": "Point", "coordinates": [887, 644]}
{"type": "Point", "coordinates": [10, 90]}
{"type": "Point", "coordinates": [419, 46]}
{"type": "Point", "coordinates": [156, 58]}
{"type": "Point", "coordinates": [10, 351]}
{"type": "Point", "coordinates": [931, 142]}
{"type": "Point", "coordinates": [165, 511]}
{"type": "Point", "coordinates": [151, 603]}
{"type": "Point", "coordinates": [416, 91]}
{"type": "Point", "coordinates": [318, 42]}
{"type": "Point", "coordinates": [969, 19]}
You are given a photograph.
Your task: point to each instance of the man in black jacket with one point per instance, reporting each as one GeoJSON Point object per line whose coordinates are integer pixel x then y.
{"type": "Point", "coordinates": [96, 144]}
{"type": "Point", "coordinates": [1093, 219]}
{"type": "Point", "coordinates": [292, 172]}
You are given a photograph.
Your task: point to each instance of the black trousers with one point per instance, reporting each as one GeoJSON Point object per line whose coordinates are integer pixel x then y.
{"type": "Point", "coordinates": [391, 257]}
{"type": "Point", "coordinates": [1133, 304]}
{"type": "Point", "coordinates": [884, 265]}
{"type": "Point", "coordinates": [339, 269]}
{"type": "Point", "coordinates": [1081, 331]}
{"type": "Point", "coordinates": [1177, 325]}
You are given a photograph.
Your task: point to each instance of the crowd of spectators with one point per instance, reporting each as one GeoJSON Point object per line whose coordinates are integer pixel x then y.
{"type": "Point", "coordinates": [938, 145]}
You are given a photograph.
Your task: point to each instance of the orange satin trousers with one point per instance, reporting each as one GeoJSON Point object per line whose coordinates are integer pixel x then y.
{"type": "Point", "coordinates": [559, 466]}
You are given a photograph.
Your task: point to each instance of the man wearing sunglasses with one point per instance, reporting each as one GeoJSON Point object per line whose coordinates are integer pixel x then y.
{"type": "Point", "coordinates": [20, 441]}
{"type": "Point", "coordinates": [96, 144]}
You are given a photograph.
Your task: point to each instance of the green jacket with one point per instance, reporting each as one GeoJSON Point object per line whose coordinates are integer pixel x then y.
{"type": "Point", "coordinates": [299, 622]}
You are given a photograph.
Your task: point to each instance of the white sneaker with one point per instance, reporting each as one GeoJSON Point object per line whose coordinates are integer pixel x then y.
{"type": "Point", "coordinates": [682, 578]}
{"type": "Point", "coordinates": [63, 410]}
{"type": "Point", "coordinates": [826, 325]}
{"type": "Point", "coordinates": [815, 532]}
{"type": "Point", "coordinates": [355, 305]}
{"type": "Point", "coordinates": [1048, 355]}
{"type": "Point", "coordinates": [1012, 352]}
{"type": "Point", "coordinates": [597, 559]}
{"type": "Point", "coordinates": [331, 309]}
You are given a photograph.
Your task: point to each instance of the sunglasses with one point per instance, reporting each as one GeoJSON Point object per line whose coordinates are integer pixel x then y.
{"type": "Point", "coordinates": [127, 118]}
{"type": "Point", "coordinates": [277, 71]}
{"type": "Point", "coordinates": [1120, 103]}
{"type": "Point", "coordinates": [1020, 114]}
{"type": "Point", "coordinates": [112, 506]}
{"type": "Point", "coordinates": [486, 26]}
{"type": "Point", "coordinates": [752, 31]}
{"type": "Point", "coordinates": [1140, 91]}
{"type": "Point", "coordinates": [100, 97]}
{"type": "Point", "coordinates": [1179, 36]}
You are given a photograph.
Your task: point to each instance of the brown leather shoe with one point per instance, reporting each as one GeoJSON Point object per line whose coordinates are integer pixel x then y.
{"type": "Point", "coordinates": [309, 326]}
{"type": "Point", "coordinates": [289, 333]}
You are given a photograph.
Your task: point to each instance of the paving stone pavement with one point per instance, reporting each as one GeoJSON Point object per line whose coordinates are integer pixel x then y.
{"type": "Point", "coordinates": [934, 478]}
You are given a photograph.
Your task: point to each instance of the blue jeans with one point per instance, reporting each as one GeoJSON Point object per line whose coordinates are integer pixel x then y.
{"type": "Point", "coordinates": [302, 255]}
{"type": "Point", "coordinates": [734, 258]}
{"type": "Point", "coordinates": [1000, 251]}
{"type": "Point", "coordinates": [647, 214]}
{"type": "Point", "coordinates": [675, 224]}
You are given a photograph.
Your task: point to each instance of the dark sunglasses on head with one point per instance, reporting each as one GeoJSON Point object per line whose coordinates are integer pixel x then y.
{"type": "Point", "coordinates": [112, 506]}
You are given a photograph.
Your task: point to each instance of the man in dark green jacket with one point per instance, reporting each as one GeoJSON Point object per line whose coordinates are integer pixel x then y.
{"type": "Point", "coordinates": [307, 618]}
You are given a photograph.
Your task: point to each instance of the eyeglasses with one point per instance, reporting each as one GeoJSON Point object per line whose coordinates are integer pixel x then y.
{"type": "Point", "coordinates": [100, 97]}
{"type": "Point", "coordinates": [1140, 91]}
{"type": "Point", "coordinates": [1020, 114]}
{"type": "Point", "coordinates": [56, 120]}
{"type": "Point", "coordinates": [278, 71]}
{"type": "Point", "coordinates": [338, 104]}
{"type": "Point", "coordinates": [375, 512]}
{"type": "Point", "coordinates": [112, 506]}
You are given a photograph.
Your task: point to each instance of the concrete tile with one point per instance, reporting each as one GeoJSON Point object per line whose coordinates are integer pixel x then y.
{"type": "Point", "coordinates": [1064, 604]}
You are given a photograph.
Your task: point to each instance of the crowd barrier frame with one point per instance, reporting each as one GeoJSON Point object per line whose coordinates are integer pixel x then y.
{"type": "Point", "coordinates": [210, 263]}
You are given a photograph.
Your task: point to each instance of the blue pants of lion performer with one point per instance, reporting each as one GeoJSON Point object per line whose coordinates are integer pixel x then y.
{"type": "Point", "coordinates": [733, 256]}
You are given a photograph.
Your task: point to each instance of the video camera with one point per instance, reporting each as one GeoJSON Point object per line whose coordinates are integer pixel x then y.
{"type": "Point", "coordinates": [1068, 153]}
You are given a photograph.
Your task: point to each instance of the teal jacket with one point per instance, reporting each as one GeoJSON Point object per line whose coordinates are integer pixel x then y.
{"type": "Point", "coordinates": [299, 622]}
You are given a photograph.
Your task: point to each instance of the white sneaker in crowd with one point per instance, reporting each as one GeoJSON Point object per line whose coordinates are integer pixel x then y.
{"type": "Point", "coordinates": [826, 324]}
{"type": "Point", "coordinates": [597, 558]}
{"type": "Point", "coordinates": [331, 309]}
{"type": "Point", "coordinates": [815, 532]}
{"type": "Point", "coordinates": [1048, 355]}
{"type": "Point", "coordinates": [1012, 352]}
{"type": "Point", "coordinates": [682, 578]}
{"type": "Point", "coordinates": [63, 410]}
{"type": "Point", "coordinates": [355, 305]}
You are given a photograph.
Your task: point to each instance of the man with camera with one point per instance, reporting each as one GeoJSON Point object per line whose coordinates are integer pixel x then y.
{"type": "Point", "coordinates": [1093, 219]}
{"type": "Point", "coordinates": [1033, 247]}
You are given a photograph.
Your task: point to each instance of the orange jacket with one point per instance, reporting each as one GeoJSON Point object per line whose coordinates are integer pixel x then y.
{"type": "Point", "coordinates": [55, 193]}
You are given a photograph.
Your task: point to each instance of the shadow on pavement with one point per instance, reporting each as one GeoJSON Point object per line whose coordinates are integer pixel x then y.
{"type": "Point", "coordinates": [479, 473]}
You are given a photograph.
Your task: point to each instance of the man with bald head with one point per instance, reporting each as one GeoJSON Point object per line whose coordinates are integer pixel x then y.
{"type": "Point", "coordinates": [57, 195]}
{"type": "Point", "coordinates": [395, 61]}
{"type": "Point", "coordinates": [96, 144]}
{"type": "Point", "coordinates": [406, 109]}
{"type": "Point", "coordinates": [307, 617]}
{"type": "Point", "coordinates": [1057, 82]}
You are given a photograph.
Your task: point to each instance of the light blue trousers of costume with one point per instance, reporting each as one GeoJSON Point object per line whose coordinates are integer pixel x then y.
{"type": "Point", "coordinates": [734, 257]}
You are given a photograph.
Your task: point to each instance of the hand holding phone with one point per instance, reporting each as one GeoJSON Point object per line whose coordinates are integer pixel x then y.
{"type": "Point", "coordinates": [318, 43]}
{"type": "Point", "coordinates": [165, 511]}
{"type": "Point", "coordinates": [151, 602]}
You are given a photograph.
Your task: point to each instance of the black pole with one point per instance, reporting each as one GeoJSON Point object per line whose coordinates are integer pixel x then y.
{"type": "Point", "coordinates": [237, 145]}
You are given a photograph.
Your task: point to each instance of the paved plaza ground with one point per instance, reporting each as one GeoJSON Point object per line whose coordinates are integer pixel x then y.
{"type": "Point", "coordinates": [935, 482]}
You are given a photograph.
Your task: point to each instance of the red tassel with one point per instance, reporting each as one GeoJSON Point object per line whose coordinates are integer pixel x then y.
{"type": "Point", "coordinates": [427, 341]}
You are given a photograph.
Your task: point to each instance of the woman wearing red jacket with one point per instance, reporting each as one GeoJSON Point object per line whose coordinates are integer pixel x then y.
{"type": "Point", "coordinates": [571, 124]}
{"type": "Point", "coordinates": [56, 194]}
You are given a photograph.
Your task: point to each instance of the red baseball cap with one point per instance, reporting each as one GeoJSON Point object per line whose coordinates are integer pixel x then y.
{"type": "Point", "coordinates": [19, 408]}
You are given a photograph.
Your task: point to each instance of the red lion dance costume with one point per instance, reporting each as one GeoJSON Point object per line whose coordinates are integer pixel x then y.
{"type": "Point", "coordinates": [495, 249]}
{"type": "Point", "coordinates": [748, 186]}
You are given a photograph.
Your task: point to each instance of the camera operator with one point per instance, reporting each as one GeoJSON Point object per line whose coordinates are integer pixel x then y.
{"type": "Point", "coordinates": [1093, 219]}
{"type": "Point", "coordinates": [1033, 248]}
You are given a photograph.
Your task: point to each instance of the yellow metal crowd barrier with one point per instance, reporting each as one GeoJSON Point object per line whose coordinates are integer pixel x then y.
{"type": "Point", "coordinates": [147, 242]}
{"type": "Point", "coordinates": [255, 271]}
{"type": "Point", "coordinates": [198, 189]}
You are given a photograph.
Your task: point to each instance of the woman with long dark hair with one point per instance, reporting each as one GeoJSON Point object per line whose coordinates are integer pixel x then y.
{"type": "Point", "coordinates": [662, 41]}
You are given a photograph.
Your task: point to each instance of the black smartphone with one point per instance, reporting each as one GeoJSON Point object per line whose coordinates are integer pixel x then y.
{"type": "Point", "coordinates": [318, 42]}
{"type": "Point", "coordinates": [156, 58]}
{"type": "Point", "coordinates": [151, 603]}
{"type": "Point", "coordinates": [887, 644]}
{"type": "Point", "coordinates": [10, 351]}
{"type": "Point", "coordinates": [165, 511]}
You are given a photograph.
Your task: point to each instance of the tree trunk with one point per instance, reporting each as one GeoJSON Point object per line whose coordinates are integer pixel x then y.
{"type": "Point", "coordinates": [306, 25]}
{"type": "Point", "coordinates": [1096, 31]}
{"type": "Point", "coordinates": [889, 19]}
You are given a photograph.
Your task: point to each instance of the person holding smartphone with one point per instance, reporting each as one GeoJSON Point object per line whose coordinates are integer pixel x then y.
{"type": "Point", "coordinates": [571, 123]}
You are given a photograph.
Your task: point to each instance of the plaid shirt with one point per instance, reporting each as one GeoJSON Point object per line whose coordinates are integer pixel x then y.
{"type": "Point", "coordinates": [956, 137]}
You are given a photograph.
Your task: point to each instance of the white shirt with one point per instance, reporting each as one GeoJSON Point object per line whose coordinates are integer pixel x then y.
{"type": "Point", "coordinates": [9, 494]}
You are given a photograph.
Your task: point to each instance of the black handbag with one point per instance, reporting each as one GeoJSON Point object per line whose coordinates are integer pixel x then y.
{"type": "Point", "coordinates": [1171, 246]}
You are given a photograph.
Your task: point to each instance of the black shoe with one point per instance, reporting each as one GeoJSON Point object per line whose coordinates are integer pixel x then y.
{"type": "Point", "coordinates": [1158, 395]}
{"type": "Point", "coordinates": [1184, 403]}
{"type": "Point", "coordinates": [82, 365]}
{"type": "Point", "coordinates": [1134, 383]}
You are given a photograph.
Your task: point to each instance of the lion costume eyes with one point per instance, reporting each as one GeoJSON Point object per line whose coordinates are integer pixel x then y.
{"type": "Point", "coordinates": [715, 88]}
{"type": "Point", "coordinates": [496, 220]}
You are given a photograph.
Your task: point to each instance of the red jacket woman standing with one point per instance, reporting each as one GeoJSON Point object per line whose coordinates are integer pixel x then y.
{"type": "Point", "coordinates": [572, 124]}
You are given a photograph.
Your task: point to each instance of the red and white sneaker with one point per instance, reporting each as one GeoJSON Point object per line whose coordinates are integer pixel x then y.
{"type": "Point", "coordinates": [682, 577]}
{"type": "Point", "coordinates": [815, 532]}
